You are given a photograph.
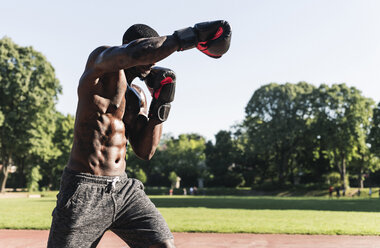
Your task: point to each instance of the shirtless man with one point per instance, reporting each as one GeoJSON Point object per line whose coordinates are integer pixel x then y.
{"type": "Point", "coordinates": [95, 194]}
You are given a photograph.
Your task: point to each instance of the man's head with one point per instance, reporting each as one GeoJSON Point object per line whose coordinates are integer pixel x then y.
{"type": "Point", "coordinates": [138, 31]}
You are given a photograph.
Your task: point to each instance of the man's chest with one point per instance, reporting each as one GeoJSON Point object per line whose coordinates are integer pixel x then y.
{"type": "Point", "coordinates": [109, 94]}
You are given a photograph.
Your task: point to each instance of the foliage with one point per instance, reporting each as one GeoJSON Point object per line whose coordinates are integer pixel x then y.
{"type": "Point", "coordinates": [292, 133]}
{"type": "Point", "coordinates": [333, 179]}
{"type": "Point", "coordinates": [297, 131]}
{"type": "Point", "coordinates": [136, 167]}
{"type": "Point", "coordinates": [374, 135]}
{"type": "Point", "coordinates": [183, 155]}
{"type": "Point", "coordinates": [33, 177]}
{"type": "Point", "coordinates": [343, 121]}
{"type": "Point", "coordinates": [28, 93]}
{"type": "Point", "coordinates": [62, 140]}
{"type": "Point", "coordinates": [173, 179]}
{"type": "Point", "coordinates": [1, 118]}
{"type": "Point", "coordinates": [221, 160]}
{"type": "Point", "coordinates": [140, 175]}
{"type": "Point", "coordinates": [277, 121]}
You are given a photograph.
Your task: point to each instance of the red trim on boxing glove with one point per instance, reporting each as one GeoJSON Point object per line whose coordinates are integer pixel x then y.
{"type": "Point", "coordinates": [166, 80]}
{"type": "Point", "coordinates": [203, 46]}
{"type": "Point", "coordinates": [210, 54]}
{"type": "Point", "coordinates": [218, 33]}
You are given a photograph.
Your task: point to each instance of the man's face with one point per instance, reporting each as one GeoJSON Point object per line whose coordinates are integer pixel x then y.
{"type": "Point", "coordinates": [143, 70]}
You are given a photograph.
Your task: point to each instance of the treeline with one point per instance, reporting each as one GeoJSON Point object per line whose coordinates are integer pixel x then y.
{"type": "Point", "coordinates": [291, 134]}
{"type": "Point", "coordinates": [301, 132]}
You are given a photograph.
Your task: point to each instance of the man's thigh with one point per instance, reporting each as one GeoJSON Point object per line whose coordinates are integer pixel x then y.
{"type": "Point", "coordinates": [139, 223]}
{"type": "Point", "coordinates": [80, 217]}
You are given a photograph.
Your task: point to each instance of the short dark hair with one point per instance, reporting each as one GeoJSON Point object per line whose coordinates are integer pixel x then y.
{"type": "Point", "coordinates": [138, 31]}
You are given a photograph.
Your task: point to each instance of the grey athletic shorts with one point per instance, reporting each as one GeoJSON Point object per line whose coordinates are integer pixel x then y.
{"type": "Point", "coordinates": [88, 205]}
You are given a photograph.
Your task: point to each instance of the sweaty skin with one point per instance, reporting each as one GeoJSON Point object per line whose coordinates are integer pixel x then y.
{"type": "Point", "coordinates": [102, 117]}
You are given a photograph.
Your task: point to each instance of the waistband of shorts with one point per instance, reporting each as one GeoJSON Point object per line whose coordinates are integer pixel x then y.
{"type": "Point", "coordinates": [88, 178]}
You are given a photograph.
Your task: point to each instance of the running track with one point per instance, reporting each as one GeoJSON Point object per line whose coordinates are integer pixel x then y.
{"type": "Point", "coordinates": [37, 239]}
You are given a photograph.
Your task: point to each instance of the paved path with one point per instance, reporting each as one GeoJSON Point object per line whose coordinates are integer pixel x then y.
{"type": "Point", "coordinates": [37, 239]}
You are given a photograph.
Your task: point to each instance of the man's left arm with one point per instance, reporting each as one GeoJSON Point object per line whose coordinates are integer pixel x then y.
{"type": "Point", "coordinates": [144, 133]}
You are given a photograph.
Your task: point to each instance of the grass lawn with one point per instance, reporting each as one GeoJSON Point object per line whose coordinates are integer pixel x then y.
{"type": "Point", "coordinates": [292, 215]}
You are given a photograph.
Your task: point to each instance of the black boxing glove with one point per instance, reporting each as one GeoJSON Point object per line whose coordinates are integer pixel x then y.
{"type": "Point", "coordinates": [211, 38]}
{"type": "Point", "coordinates": [133, 100]}
{"type": "Point", "coordinates": [161, 84]}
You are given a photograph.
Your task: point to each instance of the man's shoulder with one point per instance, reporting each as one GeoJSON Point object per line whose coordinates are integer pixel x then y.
{"type": "Point", "coordinates": [98, 50]}
{"type": "Point", "coordinates": [89, 72]}
{"type": "Point", "coordinates": [94, 55]}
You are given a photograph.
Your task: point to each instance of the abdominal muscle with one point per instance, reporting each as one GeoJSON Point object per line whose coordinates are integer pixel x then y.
{"type": "Point", "coordinates": [99, 146]}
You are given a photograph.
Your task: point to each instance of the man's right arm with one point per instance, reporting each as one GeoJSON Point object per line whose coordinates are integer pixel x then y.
{"type": "Point", "coordinates": [211, 38]}
{"type": "Point", "coordinates": [139, 52]}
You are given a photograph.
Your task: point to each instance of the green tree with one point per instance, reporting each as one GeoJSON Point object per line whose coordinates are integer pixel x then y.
{"type": "Point", "coordinates": [33, 177]}
{"type": "Point", "coordinates": [363, 165]}
{"type": "Point", "coordinates": [187, 157]}
{"type": "Point", "coordinates": [62, 140]}
{"type": "Point", "coordinates": [1, 118]}
{"type": "Point", "coordinates": [374, 135]}
{"type": "Point", "coordinates": [183, 155]}
{"type": "Point", "coordinates": [173, 179]}
{"type": "Point", "coordinates": [277, 120]}
{"type": "Point", "coordinates": [136, 167]}
{"type": "Point", "coordinates": [221, 160]}
{"type": "Point", "coordinates": [28, 93]}
{"type": "Point", "coordinates": [140, 175]}
{"type": "Point", "coordinates": [343, 115]}
{"type": "Point", "coordinates": [333, 179]}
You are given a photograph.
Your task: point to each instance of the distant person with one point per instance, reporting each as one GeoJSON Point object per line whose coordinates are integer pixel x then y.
{"type": "Point", "coordinates": [96, 194]}
{"type": "Point", "coordinates": [195, 190]}
{"type": "Point", "coordinates": [343, 191]}
{"type": "Point", "coordinates": [337, 189]}
{"type": "Point", "coordinates": [359, 192]}
{"type": "Point", "coordinates": [331, 190]}
{"type": "Point", "coordinates": [191, 191]}
{"type": "Point", "coordinates": [184, 191]}
{"type": "Point", "coordinates": [370, 192]}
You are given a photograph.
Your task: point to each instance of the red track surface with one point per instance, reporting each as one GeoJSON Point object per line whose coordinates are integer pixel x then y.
{"type": "Point", "coordinates": [37, 239]}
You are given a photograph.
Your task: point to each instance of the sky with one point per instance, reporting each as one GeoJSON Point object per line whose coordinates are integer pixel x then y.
{"type": "Point", "coordinates": [317, 41]}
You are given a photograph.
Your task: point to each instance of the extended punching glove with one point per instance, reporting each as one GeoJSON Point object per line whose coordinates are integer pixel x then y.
{"type": "Point", "coordinates": [211, 38]}
{"type": "Point", "coordinates": [161, 84]}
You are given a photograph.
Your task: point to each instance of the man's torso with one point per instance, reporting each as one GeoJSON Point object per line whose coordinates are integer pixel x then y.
{"type": "Point", "coordinates": [99, 135]}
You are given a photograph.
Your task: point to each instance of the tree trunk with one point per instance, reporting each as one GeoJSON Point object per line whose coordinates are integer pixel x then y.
{"type": "Point", "coordinates": [361, 181]}
{"type": "Point", "coordinates": [263, 175]}
{"type": "Point", "coordinates": [343, 172]}
{"type": "Point", "coordinates": [281, 170]}
{"type": "Point", "coordinates": [4, 176]}
{"type": "Point", "coordinates": [342, 169]}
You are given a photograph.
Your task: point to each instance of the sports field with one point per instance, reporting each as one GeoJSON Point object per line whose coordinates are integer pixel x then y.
{"type": "Point", "coordinates": [282, 215]}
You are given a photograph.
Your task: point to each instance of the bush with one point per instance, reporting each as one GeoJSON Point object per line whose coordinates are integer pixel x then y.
{"type": "Point", "coordinates": [201, 191]}
{"type": "Point", "coordinates": [173, 179]}
{"type": "Point", "coordinates": [140, 175]}
{"type": "Point", "coordinates": [334, 179]}
{"type": "Point", "coordinates": [229, 180]}
{"type": "Point", "coordinates": [32, 179]}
